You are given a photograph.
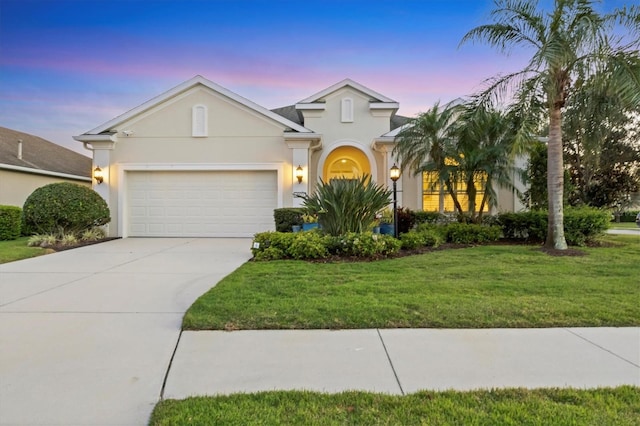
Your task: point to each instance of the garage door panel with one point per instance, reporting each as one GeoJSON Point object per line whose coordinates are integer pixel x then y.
{"type": "Point", "coordinates": [206, 204]}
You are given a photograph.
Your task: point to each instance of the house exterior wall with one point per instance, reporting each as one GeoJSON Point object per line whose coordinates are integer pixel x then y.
{"type": "Point", "coordinates": [359, 133]}
{"type": "Point", "coordinates": [238, 138]}
{"type": "Point", "coordinates": [15, 187]}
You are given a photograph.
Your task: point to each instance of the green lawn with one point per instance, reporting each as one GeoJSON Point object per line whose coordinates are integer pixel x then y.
{"type": "Point", "coordinates": [13, 250]}
{"type": "Point", "coordinates": [617, 406]}
{"type": "Point", "coordinates": [498, 286]}
{"type": "Point", "coordinates": [623, 225]}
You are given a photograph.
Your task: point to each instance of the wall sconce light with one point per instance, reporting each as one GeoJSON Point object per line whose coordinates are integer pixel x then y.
{"type": "Point", "coordinates": [97, 175]}
{"type": "Point", "coordinates": [299, 174]}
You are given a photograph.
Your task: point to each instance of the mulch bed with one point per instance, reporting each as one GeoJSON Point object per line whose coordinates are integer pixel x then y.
{"type": "Point", "coordinates": [61, 247]}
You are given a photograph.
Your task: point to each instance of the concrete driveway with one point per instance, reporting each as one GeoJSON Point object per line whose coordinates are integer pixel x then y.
{"type": "Point", "coordinates": [86, 335]}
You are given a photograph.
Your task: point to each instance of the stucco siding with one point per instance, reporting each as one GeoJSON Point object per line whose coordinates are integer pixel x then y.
{"type": "Point", "coordinates": [15, 187]}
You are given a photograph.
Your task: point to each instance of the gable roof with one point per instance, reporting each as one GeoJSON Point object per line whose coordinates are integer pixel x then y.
{"type": "Point", "coordinates": [347, 82]}
{"type": "Point", "coordinates": [197, 80]}
{"type": "Point", "coordinates": [290, 112]}
{"type": "Point", "coordinates": [40, 155]}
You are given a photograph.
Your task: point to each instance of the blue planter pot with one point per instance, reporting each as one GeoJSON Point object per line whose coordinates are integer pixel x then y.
{"type": "Point", "coordinates": [386, 228]}
{"type": "Point", "coordinates": [296, 228]}
{"type": "Point", "coordinates": [309, 226]}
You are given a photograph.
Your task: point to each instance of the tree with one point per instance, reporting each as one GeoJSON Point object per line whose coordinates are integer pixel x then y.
{"type": "Point", "coordinates": [601, 147]}
{"type": "Point", "coordinates": [570, 42]}
{"type": "Point", "coordinates": [467, 146]}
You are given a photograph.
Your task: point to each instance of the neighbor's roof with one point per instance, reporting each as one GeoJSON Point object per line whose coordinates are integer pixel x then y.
{"type": "Point", "coordinates": [41, 155]}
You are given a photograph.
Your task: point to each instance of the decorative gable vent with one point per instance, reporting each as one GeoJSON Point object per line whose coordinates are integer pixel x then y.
{"type": "Point", "coordinates": [199, 126]}
{"type": "Point", "coordinates": [347, 110]}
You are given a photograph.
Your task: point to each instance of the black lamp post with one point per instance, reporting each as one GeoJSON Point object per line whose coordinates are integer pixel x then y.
{"type": "Point", "coordinates": [394, 174]}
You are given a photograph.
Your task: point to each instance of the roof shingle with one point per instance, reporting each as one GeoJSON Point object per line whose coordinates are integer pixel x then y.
{"type": "Point", "coordinates": [40, 154]}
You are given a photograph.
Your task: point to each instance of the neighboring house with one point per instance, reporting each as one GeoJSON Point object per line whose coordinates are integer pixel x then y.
{"type": "Point", "coordinates": [28, 162]}
{"type": "Point", "coordinates": [200, 160]}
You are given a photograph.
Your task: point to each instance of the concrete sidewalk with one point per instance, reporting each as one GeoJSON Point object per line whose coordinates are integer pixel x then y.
{"type": "Point", "coordinates": [400, 361]}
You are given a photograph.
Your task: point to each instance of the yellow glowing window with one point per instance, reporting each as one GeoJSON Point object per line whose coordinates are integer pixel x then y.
{"type": "Point", "coordinates": [436, 198]}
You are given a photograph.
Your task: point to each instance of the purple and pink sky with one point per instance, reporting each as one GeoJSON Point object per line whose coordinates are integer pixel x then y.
{"type": "Point", "coordinates": [69, 66]}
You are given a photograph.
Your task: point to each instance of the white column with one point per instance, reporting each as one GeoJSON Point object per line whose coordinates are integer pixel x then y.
{"type": "Point", "coordinates": [299, 158]}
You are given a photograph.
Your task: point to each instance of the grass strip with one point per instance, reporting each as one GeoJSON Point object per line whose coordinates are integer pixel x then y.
{"type": "Point", "coordinates": [13, 250]}
{"type": "Point", "coordinates": [606, 406]}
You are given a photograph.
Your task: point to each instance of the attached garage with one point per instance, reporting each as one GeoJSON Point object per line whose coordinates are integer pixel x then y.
{"type": "Point", "coordinates": [219, 203]}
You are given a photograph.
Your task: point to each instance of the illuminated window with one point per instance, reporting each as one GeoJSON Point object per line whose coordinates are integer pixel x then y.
{"type": "Point", "coordinates": [436, 198]}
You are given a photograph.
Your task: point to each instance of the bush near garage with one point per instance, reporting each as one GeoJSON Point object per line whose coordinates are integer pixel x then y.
{"type": "Point", "coordinates": [10, 222]}
{"type": "Point", "coordinates": [287, 217]}
{"type": "Point", "coordinates": [64, 208]}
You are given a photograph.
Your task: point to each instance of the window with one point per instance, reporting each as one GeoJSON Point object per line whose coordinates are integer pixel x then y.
{"type": "Point", "coordinates": [199, 121]}
{"type": "Point", "coordinates": [435, 197]}
{"type": "Point", "coordinates": [347, 110]}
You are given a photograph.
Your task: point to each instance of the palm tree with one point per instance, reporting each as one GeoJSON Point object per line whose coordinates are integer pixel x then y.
{"type": "Point", "coordinates": [425, 144]}
{"type": "Point", "coordinates": [571, 42]}
{"type": "Point", "coordinates": [468, 146]}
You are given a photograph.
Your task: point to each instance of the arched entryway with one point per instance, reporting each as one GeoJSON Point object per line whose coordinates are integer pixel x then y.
{"type": "Point", "coordinates": [345, 162]}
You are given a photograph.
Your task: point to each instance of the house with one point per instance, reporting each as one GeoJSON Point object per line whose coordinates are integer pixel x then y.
{"type": "Point", "coordinates": [28, 162]}
{"type": "Point", "coordinates": [200, 160]}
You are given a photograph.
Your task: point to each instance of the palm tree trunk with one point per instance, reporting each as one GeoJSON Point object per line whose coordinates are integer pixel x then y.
{"type": "Point", "coordinates": [555, 182]}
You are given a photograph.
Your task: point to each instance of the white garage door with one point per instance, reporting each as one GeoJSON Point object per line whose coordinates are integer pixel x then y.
{"type": "Point", "coordinates": [200, 203]}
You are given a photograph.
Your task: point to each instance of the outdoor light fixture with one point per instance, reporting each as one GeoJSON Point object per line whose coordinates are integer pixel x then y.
{"type": "Point", "coordinates": [394, 174]}
{"type": "Point", "coordinates": [97, 175]}
{"type": "Point", "coordinates": [299, 173]}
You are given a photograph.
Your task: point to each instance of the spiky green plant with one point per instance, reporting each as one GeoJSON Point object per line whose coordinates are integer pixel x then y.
{"type": "Point", "coordinates": [347, 205]}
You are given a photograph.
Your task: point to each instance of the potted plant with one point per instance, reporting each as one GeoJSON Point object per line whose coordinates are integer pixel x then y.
{"type": "Point", "coordinates": [309, 221]}
{"type": "Point", "coordinates": [386, 221]}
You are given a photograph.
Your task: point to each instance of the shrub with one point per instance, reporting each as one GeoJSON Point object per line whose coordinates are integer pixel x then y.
{"type": "Point", "coordinates": [308, 245]}
{"type": "Point", "coordinates": [68, 240]}
{"type": "Point", "coordinates": [42, 240]}
{"type": "Point", "coordinates": [364, 244]}
{"type": "Point", "coordinates": [412, 240]}
{"type": "Point", "coordinates": [470, 233]}
{"type": "Point", "coordinates": [287, 217]}
{"type": "Point", "coordinates": [406, 220]}
{"type": "Point", "coordinates": [581, 225]}
{"type": "Point", "coordinates": [275, 240]}
{"type": "Point", "coordinates": [584, 224]}
{"type": "Point", "coordinates": [64, 208]}
{"type": "Point", "coordinates": [10, 222]}
{"type": "Point", "coordinates": [427, 217]}
{"type": "Point", "coordinates": [347, 205]}
{"type": "Point", "coordinates": [530, 226]}
{"type": "Point", "coordinates": [270, 253]}
{"type": "Point", "coordinates": [92, 234]}
{"type": "Point", "coordinates": [629, 216]}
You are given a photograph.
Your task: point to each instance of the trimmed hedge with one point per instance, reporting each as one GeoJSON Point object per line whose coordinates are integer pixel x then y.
{"type": "Point", "coordinates": [10, 222]}
{"type": "Point", "coordinates": [628, 216]}
{"type": "Point", "coordinates": [428, 217]}
{"type": "Point", "coordinates": [581, 225]}
{"type": "Point", "coordinates": [286, 218]}
{"type": "Point", "coordinates": [64, 208]}
{"type": "Point", "coordinates": [471, 233]}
